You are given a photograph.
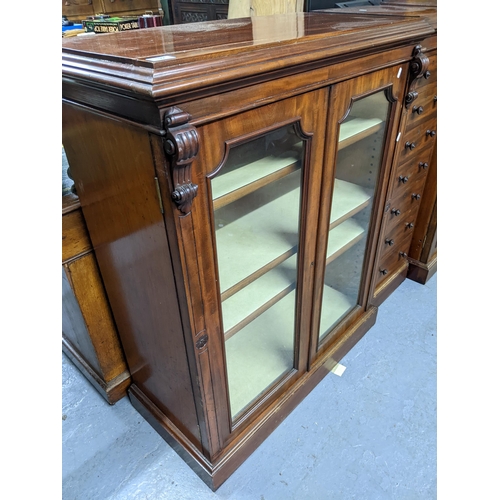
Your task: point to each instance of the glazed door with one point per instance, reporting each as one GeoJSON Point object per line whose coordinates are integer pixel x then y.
{"type": "Point", "coordinates": [360, 142]}
{"type": "Point", "coordinates": [263, 173]}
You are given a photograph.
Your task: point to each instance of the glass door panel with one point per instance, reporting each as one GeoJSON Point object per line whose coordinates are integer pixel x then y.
{"type": "Point", "coordinates": [360, 150]}
{"type": "Point", "coordinates": [257, 199]}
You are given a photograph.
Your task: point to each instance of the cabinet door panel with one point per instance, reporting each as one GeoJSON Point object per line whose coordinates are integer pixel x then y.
{"type": "Point", "coordinates": [258, 173]}
{"type": "Point", "coordinates": [362, 145]}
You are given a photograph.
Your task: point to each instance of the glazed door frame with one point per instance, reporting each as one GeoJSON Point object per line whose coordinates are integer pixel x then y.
{"type": "Point", "coordinates": [343, 96]}
{"type": "Point", "coordinates": [307, 114]}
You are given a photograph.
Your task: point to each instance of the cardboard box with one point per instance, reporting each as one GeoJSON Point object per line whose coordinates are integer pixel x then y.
{"type": "Point", "coordinates": [111, 25]}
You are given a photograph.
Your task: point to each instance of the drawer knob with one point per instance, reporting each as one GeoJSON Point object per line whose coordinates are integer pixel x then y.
{"type": "Point", "coordinates": [396, 211]}
{"type": "Point", "coordinates": [403, 179]}
{"type": "Point", "coordinates": [418, 109]}
{"type": "Point", "coordinates": [415, 196]}
{"type": "Point", "coordinates": [410, 97]}
{"type": "Point", "coordinates": [423, 165]}
{"type": "Point", "coordinates": [435, 98]}
{"type": "Point", "coordinates": [409, 225]}
{"type": "Point", "coordinates": [410, 145]}
{"type": "Point", "coordinates": [432, 133]}
{"type": "Point", "coordinates": [389, 242]}
{"type": "Point", "coordinates": [427, 74]}
{"type": "Point", "coordinates": [403, 254]}
{"type": "Point", "coordinates": [383, 271]}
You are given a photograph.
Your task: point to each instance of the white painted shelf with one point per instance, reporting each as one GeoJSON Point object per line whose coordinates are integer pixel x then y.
{"type": "Point", "coordinates": [252, 300]}
{"type": "Point", "coordinates": [262, 352]}
{"type": "Point", "coordinates": [266, 236]}
{"type": "Point", "coordinates": [343, 237]}
{"type": "Point", "coordinates": [355, 129]}
{"type": "Point", "coordinates": [259, 239]}
{"type": "Point", "coordinates": [232, 185]}
{"type": "Point", "coordinates": [348, 199]}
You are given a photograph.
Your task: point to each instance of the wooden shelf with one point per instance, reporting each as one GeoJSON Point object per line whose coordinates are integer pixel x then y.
{"type": "Point", "coordinates": [261, 353]}
{"type": "Point", "coordinates": [343, 237]}
{"type": "Point", "coordinates": [348, 199]}
{"type": "Point", "coordinates": [273, 237]}
{"type": "Point", "coordinates": [254, 299]}
{"type": "Point", "coordinates": [269, 226]}
{"type": "Point", "coordinates": [355, 129]}
{"type": "Point", "coordinates": [233, 185]}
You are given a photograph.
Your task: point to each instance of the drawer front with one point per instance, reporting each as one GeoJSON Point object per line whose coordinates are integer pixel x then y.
{"type": "Point", "coordinates": [424, 133]}
{"type": "Point", "coordinates": [410, 172]}
{"type": "Point", "coordinates": [403, 212]}
{"type": "Point", "coordinates": [397, 239]}
{"type": "Point", "coordinates": [415, 140]}
{"type": "Point", "coordinates": [392, 262]}
{"type": "Point", "coordinates": [423, 108]}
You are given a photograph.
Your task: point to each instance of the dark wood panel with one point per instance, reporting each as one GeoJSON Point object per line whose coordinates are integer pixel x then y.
{"type": "Point", "coordinates": [193, 12]}
{"type": "Point", "coordinates": [133, 255]}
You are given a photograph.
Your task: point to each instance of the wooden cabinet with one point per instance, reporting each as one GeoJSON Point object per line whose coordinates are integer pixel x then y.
{"type": "Point", "coordinates": [194, 11]}
{"type": "Point", "coordinates": [235, 191]}
{"type": "Point", "coordinates": [77, 10]}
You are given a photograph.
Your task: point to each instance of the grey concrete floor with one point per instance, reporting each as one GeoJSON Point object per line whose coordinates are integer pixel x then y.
{"type": "Point", "coordinates": [367, 435]}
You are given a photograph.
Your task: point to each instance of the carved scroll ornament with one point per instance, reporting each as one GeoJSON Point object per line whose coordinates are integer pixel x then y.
{"type": "Point", "coordinates": [182, 145]}
{"type": "Point", "coordinates": [418, 69]}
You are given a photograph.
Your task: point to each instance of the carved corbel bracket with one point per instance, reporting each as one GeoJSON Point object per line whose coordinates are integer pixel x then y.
{"type": "Point", "coordinates": [182, 145]}
{"type": "Point", "coordinates": [418, 69]}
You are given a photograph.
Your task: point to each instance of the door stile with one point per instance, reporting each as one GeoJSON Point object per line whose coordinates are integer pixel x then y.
{"type": "Point", "coordinates": [326, 193]}
{"type": "Point", "coordinates": [179, 195]}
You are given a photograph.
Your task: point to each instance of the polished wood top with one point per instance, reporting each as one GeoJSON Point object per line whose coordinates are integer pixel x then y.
{"type": "Point", "coordinates": [428, 12]}
{"type": "Point", "coordinates": [167, 44]}
{"type": "Point", "coordinates": [169, 60]}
